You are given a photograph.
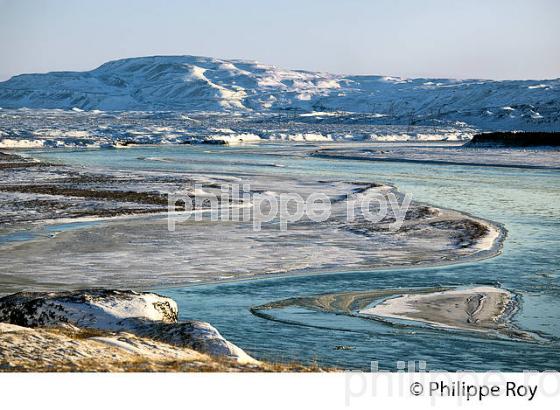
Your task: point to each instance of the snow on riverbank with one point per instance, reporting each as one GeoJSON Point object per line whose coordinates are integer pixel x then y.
{"type": "Point", "coordinates": [86, 129]}
{"type": "Point", "coordinates": [146, 315]}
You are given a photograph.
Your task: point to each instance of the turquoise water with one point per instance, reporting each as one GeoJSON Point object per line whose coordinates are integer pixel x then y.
{"type": "Point", "coordinates": [526, 202]}
{"type": "Point", "coordinates": [44, 230]}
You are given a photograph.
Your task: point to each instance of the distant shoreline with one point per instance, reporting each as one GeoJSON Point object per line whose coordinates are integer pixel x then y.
{"type": "Point", "coordinates": [515, 140]}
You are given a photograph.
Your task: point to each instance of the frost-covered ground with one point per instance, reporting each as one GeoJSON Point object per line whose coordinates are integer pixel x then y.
{"type": "Point", "coordinates": [38, 202]}
{"type": "Point", "coordinates": [57, 128]}
{"type": "Point", "coordinates": [190, 83]}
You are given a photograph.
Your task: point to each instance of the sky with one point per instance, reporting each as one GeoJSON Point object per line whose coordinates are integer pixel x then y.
{"type": "Point", "coordinates": [496, 39]}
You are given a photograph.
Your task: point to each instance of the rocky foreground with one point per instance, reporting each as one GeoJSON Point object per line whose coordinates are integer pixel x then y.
{"type": "Point", "coordinates": [109, 330]}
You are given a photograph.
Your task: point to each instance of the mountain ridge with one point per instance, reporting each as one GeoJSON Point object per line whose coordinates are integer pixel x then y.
{"type": "Point", "coordinates": [197, 83]}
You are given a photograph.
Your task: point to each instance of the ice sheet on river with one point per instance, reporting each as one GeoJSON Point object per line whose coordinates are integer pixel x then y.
{"type": "Point", "coordinates": [444, 154]}
{"type": "Point", "coordinates": [143, 253]}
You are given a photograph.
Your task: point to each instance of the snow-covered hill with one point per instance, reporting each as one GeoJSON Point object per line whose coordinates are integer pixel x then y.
{"type": "Point", "coordinates": [189, 83]}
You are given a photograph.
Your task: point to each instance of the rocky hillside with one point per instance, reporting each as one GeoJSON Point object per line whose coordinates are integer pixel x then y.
{"type": "Point", "coordinates": [107, 330]}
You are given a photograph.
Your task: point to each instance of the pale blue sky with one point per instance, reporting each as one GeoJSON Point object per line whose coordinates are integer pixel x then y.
{"type": "Point", "coordinates": [503, 39]}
